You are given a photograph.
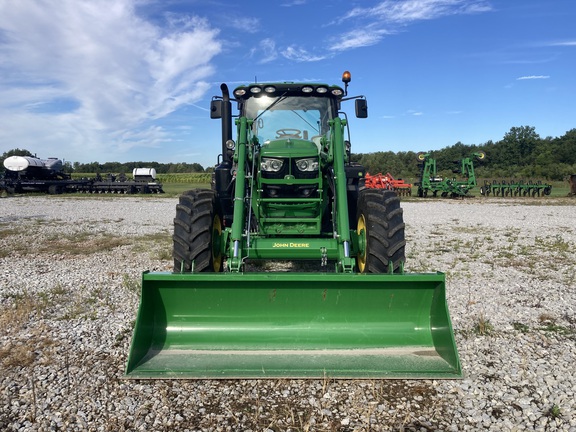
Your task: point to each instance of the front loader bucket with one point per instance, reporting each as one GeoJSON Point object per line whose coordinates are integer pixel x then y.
{"type": "Point", "coordinates": [305, 325]}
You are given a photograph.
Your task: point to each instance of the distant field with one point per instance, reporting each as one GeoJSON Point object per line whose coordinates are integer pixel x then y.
{"type": "Point", "coordinates": [178, 183]}
{"type": "Point", "coordinates": [178, 188]}
{"type": "Point", "coordinates": [173, 184]}
{"type": "Point", "coordinates": [163, 178]}
{"type": "Point", "coordinates": [202, 178]}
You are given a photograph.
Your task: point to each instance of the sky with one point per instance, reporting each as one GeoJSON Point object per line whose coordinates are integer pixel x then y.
{"type": "Point", "coordinates": [132, 80]}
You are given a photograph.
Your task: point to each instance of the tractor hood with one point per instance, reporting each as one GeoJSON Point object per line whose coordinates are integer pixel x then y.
{"type": "Point", "coordinates": [289, 148]}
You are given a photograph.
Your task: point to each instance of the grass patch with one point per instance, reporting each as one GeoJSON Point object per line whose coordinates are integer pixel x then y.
{"type": "Point", "coordinates": [163, 254]}
{"type": "Point", "coordinates": [483, 327]}
{"type": "Point", "coordinates": [554, 412]}
{"type": "Point", "coordinates": [469, 229]}
{"type": "Point", "coordinates": [7, 231]}
{"type": "Point", "coordinates": [132, 284]}
{"type": "Point", "coordinates": [547, 324]}
{"type": "Point", "coordinates": [554, 244]}
{"type": "Point", "coordinates": [157, 245]}
{"type": "Point", "coordinates": [522, 328]}
{"type": "Point", "coordinates": [176, 189]}
{"type": "Point", "coordinates": [16, 355]}
{"type": "Point", "coordinates": [83, 243]}
{"type": "Point", "coordinates": [15, 315]}
{"type": "Point", "coordinates": [18, 310]}
{"type": "Point", "coordinates": [555, 328]}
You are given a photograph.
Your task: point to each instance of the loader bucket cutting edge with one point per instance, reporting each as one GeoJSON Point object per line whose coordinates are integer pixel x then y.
{"type": "Point", "coordinates": [305, 325]}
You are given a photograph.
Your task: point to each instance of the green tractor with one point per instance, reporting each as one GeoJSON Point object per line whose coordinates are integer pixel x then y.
{"type": "Point", "coordinates": [286, 190]}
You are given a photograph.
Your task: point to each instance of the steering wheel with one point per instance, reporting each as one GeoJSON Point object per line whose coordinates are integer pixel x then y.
{"type": "Point", "coordinates": [285, 133]}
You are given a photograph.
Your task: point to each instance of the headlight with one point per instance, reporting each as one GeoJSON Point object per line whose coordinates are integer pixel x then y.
{"type": "Point", "coordinates": [271, 165]}
{"type": "Point", "coordinates": [310, 164]}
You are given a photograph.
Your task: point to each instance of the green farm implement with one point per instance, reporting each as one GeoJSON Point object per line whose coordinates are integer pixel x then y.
{"type": "Point", "coordinates": [431, 184]}
{"type": "Point", "coordinates": [515, 188]}
{"type": "Point", "coordinates": [285, 190]}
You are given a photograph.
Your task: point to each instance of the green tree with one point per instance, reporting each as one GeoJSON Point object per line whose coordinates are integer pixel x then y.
{"type": "Point", "coordinates": [520, 143]}
{"type": "Point", "coordinates": [566, 149]}
{"type": "Point", "coordinates": [196, 167]}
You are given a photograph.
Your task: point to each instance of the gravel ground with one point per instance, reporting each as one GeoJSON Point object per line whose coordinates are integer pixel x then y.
{"type": "Point", "coordinates": [69, 288]}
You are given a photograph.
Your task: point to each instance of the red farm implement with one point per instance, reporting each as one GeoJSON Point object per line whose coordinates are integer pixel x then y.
{"type": "Point", "coordinates": [381, 181]}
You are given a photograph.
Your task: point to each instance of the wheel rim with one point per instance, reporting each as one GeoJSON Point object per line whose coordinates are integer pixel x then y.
{"type": "Point", "coordinates": [361, 230]}
{"type": "Point", "coordinates": [216, 234]}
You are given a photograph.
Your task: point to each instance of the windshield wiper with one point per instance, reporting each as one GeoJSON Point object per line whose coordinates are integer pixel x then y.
{"type": "Point", "coordinates": [272, 105]}
{"type": "Point", "coordinates": [314, 128]}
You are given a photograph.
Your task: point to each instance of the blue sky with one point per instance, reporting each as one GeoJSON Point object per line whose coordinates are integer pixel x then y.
{"type": "Point", "coordinates": [129, 80]}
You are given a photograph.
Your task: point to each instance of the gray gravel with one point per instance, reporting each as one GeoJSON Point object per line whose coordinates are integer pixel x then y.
{"type": "Point", "coordinates": [69, 287]}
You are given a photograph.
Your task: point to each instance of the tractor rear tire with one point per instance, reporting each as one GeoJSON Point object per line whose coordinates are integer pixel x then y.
{"type": "Point", "coordinates": [380, 224]}
{"type": "Point", "coordinates": [197, 230]}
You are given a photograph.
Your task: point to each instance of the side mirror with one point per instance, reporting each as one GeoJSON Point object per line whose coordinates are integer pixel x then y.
{"type": "Point", "coordinates": [216, 109]}
{"type": "Point", "coordinates": [361, 108]}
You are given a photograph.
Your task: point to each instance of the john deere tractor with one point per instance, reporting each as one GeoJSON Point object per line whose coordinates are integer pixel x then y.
{"type": "Point", "coordinates": [285, 189]}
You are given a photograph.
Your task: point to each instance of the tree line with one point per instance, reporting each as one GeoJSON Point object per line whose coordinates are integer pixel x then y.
{"type": "Point", "coordinates": [521, 153]}
{"type": "Point", "coordinates": [128, 167]}
{"type": "Point", "coordinates": [115, 167]}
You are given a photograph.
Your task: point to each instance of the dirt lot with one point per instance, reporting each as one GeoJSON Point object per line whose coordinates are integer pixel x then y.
{"type": "Point", "coordinates": [69, 291]}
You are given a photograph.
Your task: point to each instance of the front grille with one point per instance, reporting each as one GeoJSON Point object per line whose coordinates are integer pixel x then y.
{"type": "Point", "coordinates": [290, 191]}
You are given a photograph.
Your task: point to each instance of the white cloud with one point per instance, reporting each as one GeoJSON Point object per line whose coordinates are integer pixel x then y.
{"type": "Point", "coordinates": [265, 51]}
{"type": "Point", "coordinates": [300, 55]}
{"type": "Point", "coordinates": [404, 11]}
{"type": "Point", "coordinates": [294, 3]}
{"type": "Point", "coordinates": [532, 77]}
{"type": "Point", "coordinates": [116, 72]}
{"type": "Point", "coordinates": [357, 39]}
{"type": "Point", "coordinates": [245, 24]}
{"type": "Point", "coordinates": [372, 24]}
{"type": "Point", "coordinates": [565, 43]}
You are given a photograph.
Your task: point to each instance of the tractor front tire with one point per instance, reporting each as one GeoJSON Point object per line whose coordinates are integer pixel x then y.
{"type": "Point", "coordinates": [197, 231]}
{"type": "Point", "coordinates": [380, 226]}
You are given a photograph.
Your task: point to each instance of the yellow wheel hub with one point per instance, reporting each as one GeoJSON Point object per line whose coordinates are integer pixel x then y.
{"type": "Point", "coordinates": [361, 230]}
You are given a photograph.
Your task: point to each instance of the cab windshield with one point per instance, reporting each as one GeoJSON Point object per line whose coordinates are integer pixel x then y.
{"type": "Point", "coordinates": [288, 117]}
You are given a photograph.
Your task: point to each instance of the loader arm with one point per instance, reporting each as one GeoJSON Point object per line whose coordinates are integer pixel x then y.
{"type": "Point", "coordinates": [346, 263]}
{"type": "Point", "coordinates": [236, 253]}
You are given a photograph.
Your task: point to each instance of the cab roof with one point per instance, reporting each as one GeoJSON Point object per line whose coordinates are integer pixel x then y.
{"type": "Point", "coordinates": [288, 89]}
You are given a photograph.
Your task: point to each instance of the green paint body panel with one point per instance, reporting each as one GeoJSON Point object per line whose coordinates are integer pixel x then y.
{"type": "Point", "coordinates": [300, 325]}
{"type": "Point", "coordinates": [291, 147]}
